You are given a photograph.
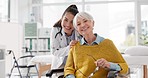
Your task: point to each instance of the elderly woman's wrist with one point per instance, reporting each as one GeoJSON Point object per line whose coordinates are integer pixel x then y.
{"type": "Point", "coordinates": [114, 66]}
{"type": "Point", "coordinates": [70, 76]}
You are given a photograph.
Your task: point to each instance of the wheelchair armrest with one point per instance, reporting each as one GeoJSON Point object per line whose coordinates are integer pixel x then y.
{"type": "Point", "coordinates": [49, 74]}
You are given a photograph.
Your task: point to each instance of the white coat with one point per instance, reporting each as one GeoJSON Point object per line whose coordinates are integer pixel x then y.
{"type": "Point", "coordinates": [58, 47]}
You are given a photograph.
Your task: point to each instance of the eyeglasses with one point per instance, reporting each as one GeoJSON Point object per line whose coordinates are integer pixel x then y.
{"type": "Point", "coordinates": [96, 69]}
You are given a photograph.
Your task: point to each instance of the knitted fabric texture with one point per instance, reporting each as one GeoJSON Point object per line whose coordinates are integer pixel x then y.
{"type": "Point", "coordinates": [81, 64]}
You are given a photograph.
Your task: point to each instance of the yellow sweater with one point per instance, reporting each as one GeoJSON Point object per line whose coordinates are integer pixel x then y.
{"type": "Point", "coordinates": [81, 64]}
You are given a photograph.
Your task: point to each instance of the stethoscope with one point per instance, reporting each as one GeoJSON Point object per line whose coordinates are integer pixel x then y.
{"type": "Point", "coordinates": [60, 32]}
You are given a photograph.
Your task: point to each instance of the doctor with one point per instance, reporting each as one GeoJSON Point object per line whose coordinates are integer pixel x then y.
{"type": "Point", "coordinates": [63, 36]}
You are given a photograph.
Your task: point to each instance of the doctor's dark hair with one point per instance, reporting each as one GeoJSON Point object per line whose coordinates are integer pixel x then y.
{"type": "Point", "coordinates": [72, 9]}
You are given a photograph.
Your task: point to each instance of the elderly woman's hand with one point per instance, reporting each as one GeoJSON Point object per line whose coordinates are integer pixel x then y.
{"type": "Point", "coordinates": [72, 43]}
{"type": "Point", "coordinates": [102, 63]}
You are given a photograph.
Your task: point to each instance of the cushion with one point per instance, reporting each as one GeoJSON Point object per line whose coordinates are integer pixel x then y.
{"type": "Point", "coordinates": [137, 51]}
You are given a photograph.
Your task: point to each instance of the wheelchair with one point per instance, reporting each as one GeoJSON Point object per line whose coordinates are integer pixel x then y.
{"type": "Point", "coordinates": [111, 74]}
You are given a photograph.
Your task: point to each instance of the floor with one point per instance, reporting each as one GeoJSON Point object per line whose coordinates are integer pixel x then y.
{"type": "Point", "coordinates": [136, 72]}
{"type": "Point", "coordinates": [132, 76]}
{"type": "Point", "coordinates": [17, 76]}
{"type": "Point", "coordinates": [25, 77]}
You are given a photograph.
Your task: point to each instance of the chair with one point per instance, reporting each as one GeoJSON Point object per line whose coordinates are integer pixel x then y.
{"type": "Point", "coordinates": [19, 63]}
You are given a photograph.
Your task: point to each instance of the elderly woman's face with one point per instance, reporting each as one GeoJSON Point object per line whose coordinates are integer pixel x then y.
{"type": "Point", "coordinates": [84, 26]}
{"type": "Point", "coordinates": [66, 23]}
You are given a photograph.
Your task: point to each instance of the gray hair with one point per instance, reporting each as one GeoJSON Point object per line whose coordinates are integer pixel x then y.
{"type": "Point", "coordinates": [81, 15]}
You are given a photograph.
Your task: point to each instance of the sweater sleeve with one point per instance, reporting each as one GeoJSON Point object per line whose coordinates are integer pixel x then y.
{"type": "Point", "coordinates": [69, 67]}
{"type": "Point", "coordinates": [119, 59]}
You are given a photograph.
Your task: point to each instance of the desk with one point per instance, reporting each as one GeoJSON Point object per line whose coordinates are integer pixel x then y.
{"type": "Point", "coordinates": [137, 60]}
{"type": "Point", "coordinates": [43, 61]}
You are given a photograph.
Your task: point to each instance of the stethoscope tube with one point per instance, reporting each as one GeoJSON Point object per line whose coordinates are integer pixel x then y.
{"type": "Point", "coordinates": [60, 32]}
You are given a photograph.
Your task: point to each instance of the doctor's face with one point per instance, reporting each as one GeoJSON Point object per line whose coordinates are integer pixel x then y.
{"type": "Point", "coordinates": [67, 23]}
{"type": "Point", "coordinates": [84, 26]}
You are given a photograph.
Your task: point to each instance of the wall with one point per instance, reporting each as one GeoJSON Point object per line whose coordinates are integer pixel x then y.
{"type": "Point", "coordinates": [23, 11]}
{"type": "Point", "coordinates": [11, 37]}
{"type": "Point", "coordinates": [2, 61]}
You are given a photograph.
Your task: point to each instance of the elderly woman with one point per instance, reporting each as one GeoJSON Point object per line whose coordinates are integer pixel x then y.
{"type": "Point", "coordinates": [93, 56]}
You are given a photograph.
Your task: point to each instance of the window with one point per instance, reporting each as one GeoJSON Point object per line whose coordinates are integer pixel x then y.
{"type": "Point", "coordinates": [113, 19]}
{"type": "Point", "coordinates": [144, 25]}
{"type": "Point", "coordinates": [60, 1]}
{"type": "Point", "coordinates": [4, 10]}
{"type": "Point", "coordinates": [51, 14]}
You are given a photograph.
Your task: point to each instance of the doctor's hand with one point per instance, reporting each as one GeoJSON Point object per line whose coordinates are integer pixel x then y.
{"type": "Point", "coordinates": [103, 63]}
{"type": "Point", "coordinates": [72, 43]}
